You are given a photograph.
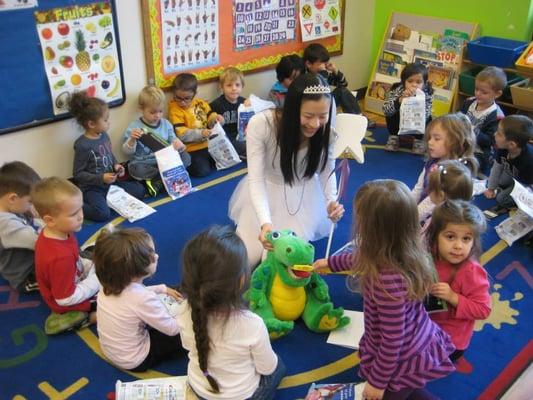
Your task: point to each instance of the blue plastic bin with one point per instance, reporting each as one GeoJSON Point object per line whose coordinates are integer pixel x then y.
{"type": "Point", "coordinates": [495, 51]}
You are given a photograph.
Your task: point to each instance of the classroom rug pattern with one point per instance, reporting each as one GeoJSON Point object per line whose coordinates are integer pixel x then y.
{"type": "Point", "coordinates": [71, 365]}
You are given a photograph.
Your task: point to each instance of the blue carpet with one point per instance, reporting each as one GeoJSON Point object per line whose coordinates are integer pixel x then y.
{"type": "Point", "coordinates": [34, 366]}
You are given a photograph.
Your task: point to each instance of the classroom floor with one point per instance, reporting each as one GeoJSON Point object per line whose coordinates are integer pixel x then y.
{"type": "Point", "coordinates": [36, 366]}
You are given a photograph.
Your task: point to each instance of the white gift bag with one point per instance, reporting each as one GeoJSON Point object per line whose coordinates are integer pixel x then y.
{"type": "Point", "coordinates": [413, 114]}
{"type": "Point", "coordinates": [221, 149]}
{"type": "Point", "coordinates": [244, 113]}
{"type": "Point", "coordinates": [174, 175]}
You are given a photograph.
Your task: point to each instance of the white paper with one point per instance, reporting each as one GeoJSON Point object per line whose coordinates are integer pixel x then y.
{"type": "Point", "coordinates": [480, 185]}
{"type": "Point", "coordinates": [170, 303]}
{"type": "Point", "coordinates": [351, 334]}
{"type": "Point", "coordinates": [154, 389]}
{"type": "Point", "coordinates": [221, 149]}
{"type": "Point", "coordinates": [513, 228]}
{"type": "Point", "coordinates": [126, 205]}
{"type": "Point", "coordinates": [258, 104]}
{"type": "Point", "coordinates": [413, 114]}
{"type": "Point", "coordinates": [174, 175]}
{"type": "Point", "coordinates": [351, 130]}
{"type": "Point", "coordinates": [523, 198]}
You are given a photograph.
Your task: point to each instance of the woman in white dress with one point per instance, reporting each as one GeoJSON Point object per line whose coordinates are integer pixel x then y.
{"type": "Point", "coordinates": [290, 182]}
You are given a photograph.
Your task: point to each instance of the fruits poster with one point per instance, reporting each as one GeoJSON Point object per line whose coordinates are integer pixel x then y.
{"type": "Point", "coordinates": [189, 30]}
{"type": "Point", "coordinates": [79, 52]}
{"type": "Point", "coordinates": [319, 19]}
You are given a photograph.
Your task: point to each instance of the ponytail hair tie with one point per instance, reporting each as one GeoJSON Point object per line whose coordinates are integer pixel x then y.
{"type": "Point", "coordinates": [206, 373]}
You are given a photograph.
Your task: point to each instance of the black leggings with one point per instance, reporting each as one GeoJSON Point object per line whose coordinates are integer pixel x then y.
{"type": "Point", "coordinates": [162, 347]}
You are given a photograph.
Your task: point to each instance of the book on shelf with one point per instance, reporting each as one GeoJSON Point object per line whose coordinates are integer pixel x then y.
{"type": "Point", "coordinates": [441, 77]}
{"type": "Point", "coordinates": [387, 68]}
{"type": "Point", "coordinates": [397, 58]}
{"type": "Point", "coordinates": [427, 61]}
{"type": "Point", "coordinates": [379, 89]}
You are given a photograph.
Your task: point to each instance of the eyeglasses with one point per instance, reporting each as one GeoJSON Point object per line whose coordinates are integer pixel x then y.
{"type": "Point", "coordinates": [183, 99]}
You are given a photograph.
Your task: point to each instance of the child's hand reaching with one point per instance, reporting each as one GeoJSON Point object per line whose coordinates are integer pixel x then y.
{"type": "Point", "coordinates": [134, 136]}
{"type": "Point", "coordinates": [109, 178]}
{"type": "Point", "coordinates": [220, 119]}
{"type": "Point", "coordinates": [174, 294]}
{"type": "Point", "coordinates": [408, 92]}
{"type": "Point", "coordinates": [206, 133]}
{"type": "Point", "coordinates": [332, 67]}
{"type": "Point", "coordinates": [372, 393]}
{"type": "Point", "coordinates": [320, 266]}
{"type": "Point", "coordinates": [119, 169]}
{"type": "Point", "coordinates": [443, 291]}
{"type": "Point", "coordinates": [490, 193]}
{"type": "Point", "coordinates": [178, 145]}
{"type": "Point", "coordinates": [247, 103]}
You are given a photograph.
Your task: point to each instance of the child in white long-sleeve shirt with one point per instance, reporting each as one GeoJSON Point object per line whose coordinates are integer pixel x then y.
{"type": "Point", "coordinates": [134, 327]}
{"type": "Point", "coordinates": [448, 137]}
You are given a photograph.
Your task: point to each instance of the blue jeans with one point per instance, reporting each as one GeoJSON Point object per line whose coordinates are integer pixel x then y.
{"type": "Point", "coordinates": [95, 205]}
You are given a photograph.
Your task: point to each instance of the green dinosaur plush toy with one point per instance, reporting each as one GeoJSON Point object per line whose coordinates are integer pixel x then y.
{"type": "Point", "coordinates": [284, 288]}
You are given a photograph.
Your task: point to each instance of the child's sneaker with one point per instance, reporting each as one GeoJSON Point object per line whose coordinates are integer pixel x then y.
{"type": "Point", "coordinates": [154, 186]}
{"type": "Point", "coordinates": [393, 144]}
{"type": "Point", "coordinates": [30, 286]}
{"type": "Point", "coordinates": [419, 147]}
{"type": "Point", "coordinates": [58, 323]}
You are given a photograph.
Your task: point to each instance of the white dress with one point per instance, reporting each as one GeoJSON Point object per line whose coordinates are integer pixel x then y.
{"type": "Point", "coordinates": [263, 197]}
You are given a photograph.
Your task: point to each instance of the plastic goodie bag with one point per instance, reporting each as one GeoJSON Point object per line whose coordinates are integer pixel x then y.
{"type": "Point", "coordinates": [221, 149]}
{"type": "Point", "coordinates": [413, 114]}
{"type": "Point", "coordinates": [174, 175]}
{"type": "Point", "coordinates": [243, 117]}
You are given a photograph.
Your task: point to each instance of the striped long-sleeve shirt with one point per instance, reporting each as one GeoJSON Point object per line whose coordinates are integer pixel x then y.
{"type": "Point", "coordinates": [401, 347]}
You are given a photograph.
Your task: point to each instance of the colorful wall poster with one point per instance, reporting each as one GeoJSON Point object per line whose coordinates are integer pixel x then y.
{"type": "Point", "coordinates": [263, 22]}
{"type": "Point", "coordinates": [319, 19]}
{"type": "Point", "coordinates": [189, 32]}
{"type": "Point", "coordinates": [10, 5]}
{"type": "Point", "coordinates": [80, 52]}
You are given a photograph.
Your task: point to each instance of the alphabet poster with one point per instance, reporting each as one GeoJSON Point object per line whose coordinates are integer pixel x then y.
{"type": "Point", "coordinates": [79, 52]}
{"type": "Point", "coordinates": [263, 22]}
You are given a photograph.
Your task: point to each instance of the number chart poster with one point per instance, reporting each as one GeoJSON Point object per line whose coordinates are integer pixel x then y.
{"type": "Point", "coordinates": [79, 52]}
{"type": "Point", "coordinates": [260, 52]}
{"type": "Point", "coordinates": [190, 34]}
{"type": "Point", "coordinates": [263, 22]}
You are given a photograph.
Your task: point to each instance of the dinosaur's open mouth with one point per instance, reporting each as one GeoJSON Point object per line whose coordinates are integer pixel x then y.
{"type": "Point", "coordinates": [301, 271]}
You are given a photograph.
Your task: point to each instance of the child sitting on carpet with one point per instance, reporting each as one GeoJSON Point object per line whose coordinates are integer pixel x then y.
{"type": "Point", "coordinates": [454, 241]}
{"type": "Point", "coordinates": [451, 180]}
{"type": "Point", "coordinates": [287, 70]}
{"type": "Point", "coordinates": [135, 328]}
{"type": "Point", "coordinates": [401, 348]}
{"type": "Point", "coordinates": [230, 356]}
{"type": "Point", "coordinates": [17, 231]}
{"type": "Point", "coordinates": [414, 76]}
{"type": "Point", "coordinates": [143, 165]}
{"type": "Point", "coordinates": [67, 283]}
{"type": "Point", "coordinates": [448, 137]}
{"type": "Point", "coordinates": [95, 166]}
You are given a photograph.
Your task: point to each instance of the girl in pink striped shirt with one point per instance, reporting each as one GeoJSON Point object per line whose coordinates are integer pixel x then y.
{"type": "Point", "coordinates": [401, 348]}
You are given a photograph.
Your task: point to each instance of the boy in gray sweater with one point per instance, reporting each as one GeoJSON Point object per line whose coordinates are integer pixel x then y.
{"type": "Point", "coordinates": [17, 232]}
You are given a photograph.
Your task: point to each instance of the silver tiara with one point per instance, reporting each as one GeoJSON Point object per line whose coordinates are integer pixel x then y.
{"type": "Point", "coordinates": [317, 89]}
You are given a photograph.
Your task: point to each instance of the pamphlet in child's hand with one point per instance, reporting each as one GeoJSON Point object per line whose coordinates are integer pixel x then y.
{"type": "Point", "coordinates": [159, 388]}
{"type": "Point", "coordinates": [335, 391]}
{"type": "Point", "coordinates": [171, 304]}
{"type": "Point", "coordinates": [126, 205]}
{"type": "Point", "coordinates": [350, 335]}
{"type": "Point", "coordinates": [523, 198]}
{"type": "Point", "coordinates": [174, 175]}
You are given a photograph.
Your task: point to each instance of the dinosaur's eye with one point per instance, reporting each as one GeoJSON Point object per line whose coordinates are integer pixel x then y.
{"type": "Point", "coordinates": [292, 233]}
{"type": "Point", "coordinates": [275, 235]}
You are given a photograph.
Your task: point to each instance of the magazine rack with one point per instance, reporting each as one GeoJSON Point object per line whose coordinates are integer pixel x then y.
{"type": "Point", "coordinates": [422, 39]}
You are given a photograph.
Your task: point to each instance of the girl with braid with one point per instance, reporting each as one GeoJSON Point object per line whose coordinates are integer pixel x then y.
{"type": "Point", "coordinates": [230, 356]}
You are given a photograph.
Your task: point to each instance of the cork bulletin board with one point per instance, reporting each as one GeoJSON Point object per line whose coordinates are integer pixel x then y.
{"type": "Point", "coordinates": [202, 36]}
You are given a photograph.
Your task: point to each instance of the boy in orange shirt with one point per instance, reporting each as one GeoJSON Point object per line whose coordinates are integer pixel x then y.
{"type": "Point", "coordinates": [193, 120]}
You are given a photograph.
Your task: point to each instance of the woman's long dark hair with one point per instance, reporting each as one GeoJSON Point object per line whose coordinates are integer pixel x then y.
{"type": "Point", "coordinates": [214, 278]}
{"type": "Point", "coordinates": [289, 129]}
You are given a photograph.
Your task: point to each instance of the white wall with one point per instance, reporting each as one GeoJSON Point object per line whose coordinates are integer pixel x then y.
{"type": "Point", "coordinates": [48, 148]}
